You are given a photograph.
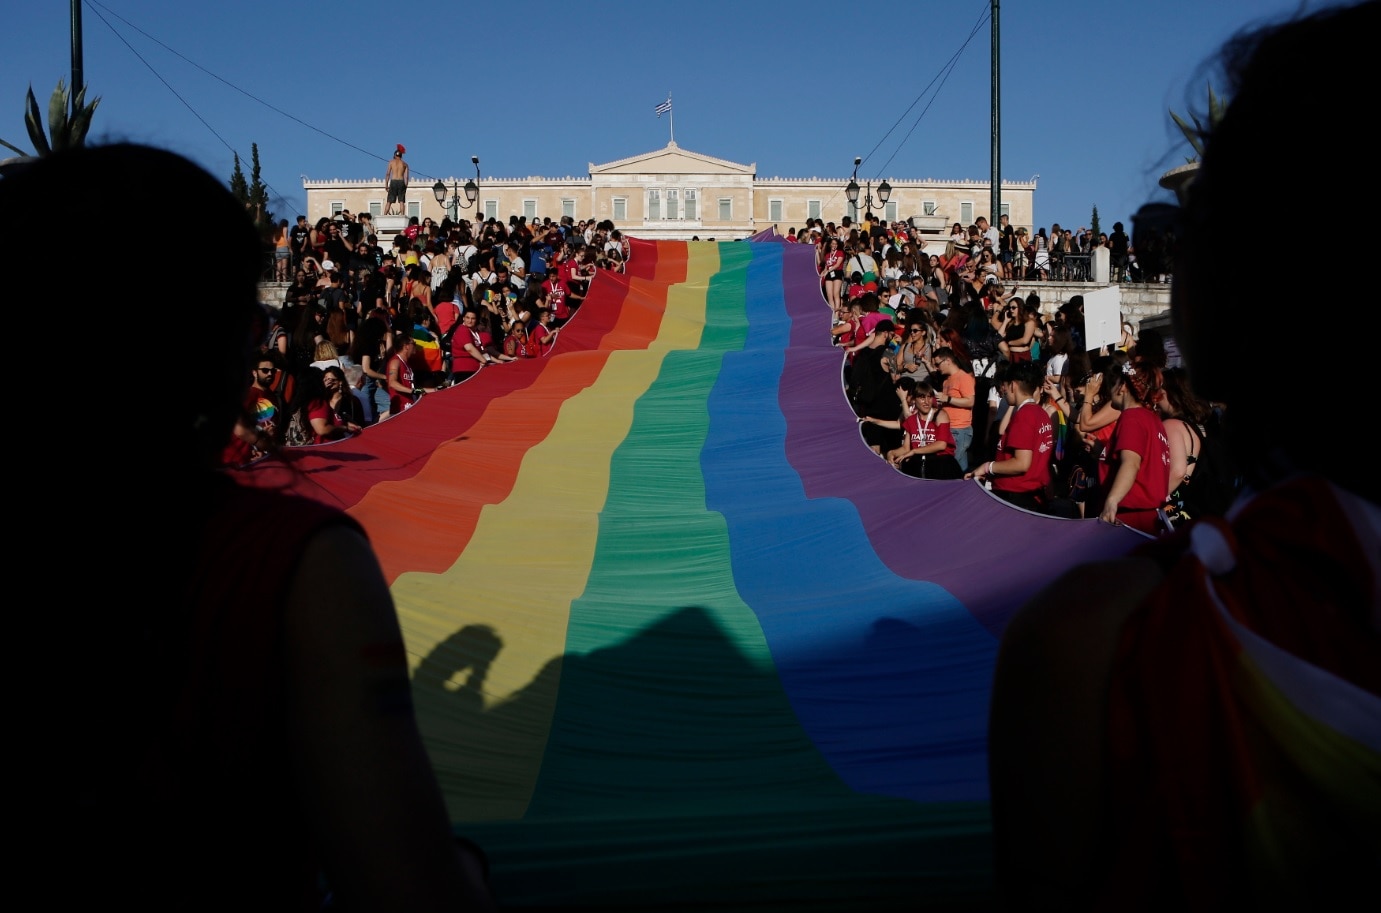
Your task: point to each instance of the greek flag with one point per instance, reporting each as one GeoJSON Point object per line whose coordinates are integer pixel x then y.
{"type": "Point", "coordinates": [664, 107]}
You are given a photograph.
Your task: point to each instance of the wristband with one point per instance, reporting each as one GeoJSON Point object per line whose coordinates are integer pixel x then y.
{"type": "Point", "coordinates": [990, 467]}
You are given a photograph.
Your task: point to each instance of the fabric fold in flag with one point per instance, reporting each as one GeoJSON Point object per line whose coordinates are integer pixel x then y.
{"type": "Point", "coordinates": [662, 603]}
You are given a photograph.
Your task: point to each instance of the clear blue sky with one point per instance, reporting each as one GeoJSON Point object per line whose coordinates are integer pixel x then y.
{"type": "Point", "coordinates": [544, 88]}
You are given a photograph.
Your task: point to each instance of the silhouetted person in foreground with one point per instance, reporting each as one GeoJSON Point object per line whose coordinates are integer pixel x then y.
{"type": "Point", "coordinates": [1195, 727]}
{"type": "Point", "coordinates": [223, 719]}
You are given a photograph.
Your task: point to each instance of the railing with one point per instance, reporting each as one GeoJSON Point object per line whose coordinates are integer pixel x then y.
{"type": "Point", "coordinates": [1062, 268]}
{"type": "Point", "coordinates": [266, 267]}
{"type": "Point", "coordinates": [1071, 267]}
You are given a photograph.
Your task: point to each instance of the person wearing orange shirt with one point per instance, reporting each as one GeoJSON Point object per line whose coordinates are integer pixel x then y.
{"type": "Point", "coordinates": [957, 396]}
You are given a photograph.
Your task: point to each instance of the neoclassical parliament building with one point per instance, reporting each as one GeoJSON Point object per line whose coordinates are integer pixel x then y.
{"type": "Point", "coordinates": [675, 194]}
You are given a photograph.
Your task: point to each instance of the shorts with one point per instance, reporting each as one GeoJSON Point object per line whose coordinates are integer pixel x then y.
{"type": "Point", "coordinates": [280, 253]}
{"type": "Point", "coordinates": [834, 274]}
{"type": "Point", "coordinates": [378, 393]}
{"type": "Point", "coordinates": [1020, 357]}
{"type": "Point", "coordinates": [397, 190]}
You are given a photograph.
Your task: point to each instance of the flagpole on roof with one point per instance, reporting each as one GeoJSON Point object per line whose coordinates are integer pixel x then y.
{"type": "Point", "coordinates": [665, 108]}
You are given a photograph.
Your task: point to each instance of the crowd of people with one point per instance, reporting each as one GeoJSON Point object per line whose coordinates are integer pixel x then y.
{"type": "Point", "coordinates": [1197, 725]}
{"type": "Point", "coordinates": [941, 360]}
{"type": "Point", "coordinates": [953, 376]}
{"type": "Point", "coordinates": [1192, 726]}
{"type": "Point", "coordinates": [364, 330]}
{"type": "Point", "coordinates": [1005, 252]}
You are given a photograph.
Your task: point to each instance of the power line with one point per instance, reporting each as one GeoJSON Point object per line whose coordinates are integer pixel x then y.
{"type": "Point", "coordinates": [251, 96]}
{"type": "Point", "coordinates": [942, 75]}
{"type": "Point", "coordinates": [169, 87]}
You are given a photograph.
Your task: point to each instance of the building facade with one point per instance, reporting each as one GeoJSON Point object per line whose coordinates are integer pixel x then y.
{"type": "Point", "coordinates": [675, 194]}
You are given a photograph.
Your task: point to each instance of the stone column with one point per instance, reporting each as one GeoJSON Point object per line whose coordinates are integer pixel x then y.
{"type": "Point", "coordinates": [1100, 265]}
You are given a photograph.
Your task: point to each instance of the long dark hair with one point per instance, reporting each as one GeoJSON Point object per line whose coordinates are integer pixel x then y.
{"type": "Point", "coordinates": [311, 388]}
{"type": "Point", "coordinates": [368, 340]}
{"type": "Point", "coordinates": [1182, 402]}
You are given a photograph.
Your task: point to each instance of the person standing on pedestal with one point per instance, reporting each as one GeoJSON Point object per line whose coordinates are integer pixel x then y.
{"type": "Point", "coordinates": [396, 180]}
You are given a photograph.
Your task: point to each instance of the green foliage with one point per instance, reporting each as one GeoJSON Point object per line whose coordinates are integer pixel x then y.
{"type": "Point", "coordinates": [258, 193]}
{"type": "Point", "coordinates": [238, 186]}
{"type": "Point", "coordinates": [69, 120]}
{"type": "Point", "coordinates": [253, 193]}
{"type": "Point", "coordinates": [1093, 224]}
{"type": "Point", "coordinates": [258, 197]}
{"type": "Point", "coordinates": [1217, 105]}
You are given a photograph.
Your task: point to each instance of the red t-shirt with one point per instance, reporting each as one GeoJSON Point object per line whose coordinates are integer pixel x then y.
{"type": "Point", "coordinates": [397, 402]}
{"type": "Point", "coordinates": [570, 272]}
{"type": "Point", "coordinates": [537, 337]}
{"type": "Point", "coordinates": [447, 314]}
{"type": "Point", "coordinates": [462, 362]}
{"type": "Point", "coordinates": [1029, 429]}
{"type": "Point", "coordinates": [1141, 430]}
{"type": "Point", "coordinates": [320, 408]}
{"type": "Point", "coordinates": [921, 432]}
{"type": "Point", "coordinates": [556, 298]}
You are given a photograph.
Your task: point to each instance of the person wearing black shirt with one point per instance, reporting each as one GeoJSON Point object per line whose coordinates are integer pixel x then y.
{"type": "Point", "coordinates": [298, 238]}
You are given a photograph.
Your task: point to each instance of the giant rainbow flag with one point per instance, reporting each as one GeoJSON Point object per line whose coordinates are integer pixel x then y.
{"type": "Point", "coordinates": [679, 639]}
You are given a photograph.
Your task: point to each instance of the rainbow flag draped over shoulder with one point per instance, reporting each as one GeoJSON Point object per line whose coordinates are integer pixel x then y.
{"type": "Point", "coordinates": [1245, 711]}
{"type": "Point", "coordinates": [678, 637]}
{"type": "Point", "coordinates": [428, 349]}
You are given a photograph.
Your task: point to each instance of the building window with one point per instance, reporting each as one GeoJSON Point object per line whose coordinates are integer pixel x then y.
{"type": "Point", "coordinates": [491, 209]}
{"type": "Point", "coordinates": [966, 214]}
{"type": "Point", "coordinates": [1005, 210]}
{"type": "Point", "coordinates": [654, 205]}
{"type": "Point", "coordinates": [673, 199]}
{"type": "Point", "coordinates": [688, 197]}
{"type": "Point", "coordinates": [568, 208]}
{"type": "Point", "coordinates": [530, 209]}
{"type": "Point", "coordinates": [336, 206]}
{"type": "Point", "coordinates": [890, 211]}
{"type": "Point", "coordinates": [620, 209]}
{"type": "Point", "coordinates": [813, 209]}
{"type": "Point", "coordinates": [774, 211]}
{"type": "Point", "coordinates": [929, 208]}
{"type": "Point", "coordinates": [414, 210]}
{"type": "Point", "coordinates": [376, 209]}
{"type": "Point", "coordinates": [726, 209]}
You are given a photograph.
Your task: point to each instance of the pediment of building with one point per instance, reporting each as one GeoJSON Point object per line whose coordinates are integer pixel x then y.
{"type": "Point", "coordinates": [672, 159]}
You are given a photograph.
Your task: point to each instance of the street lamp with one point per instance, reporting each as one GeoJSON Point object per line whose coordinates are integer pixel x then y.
{"type": "Point", "coordinates": [472, 192]}
{"type": "Point", "coordinates": [851, 192]}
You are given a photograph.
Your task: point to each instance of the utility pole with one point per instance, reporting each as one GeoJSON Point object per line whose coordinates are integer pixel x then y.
{"type": "Point", "coordinates": [78, 78]}
{"type": "Point", "coordinates": [995, 195]}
